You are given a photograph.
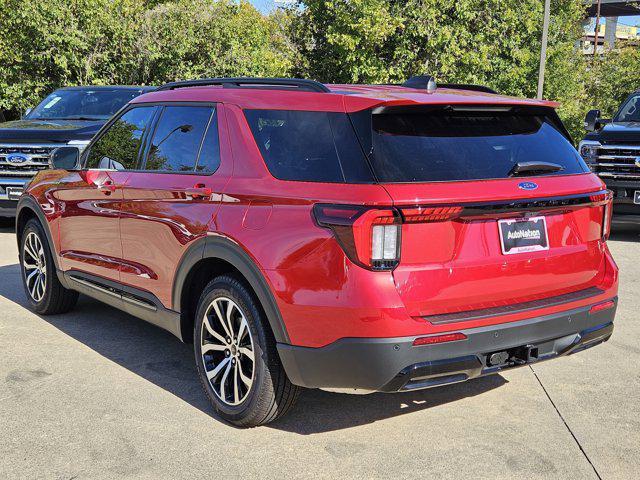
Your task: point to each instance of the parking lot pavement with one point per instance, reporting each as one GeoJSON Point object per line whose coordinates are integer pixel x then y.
{"type": "Point", "coordinates": [99, 394]}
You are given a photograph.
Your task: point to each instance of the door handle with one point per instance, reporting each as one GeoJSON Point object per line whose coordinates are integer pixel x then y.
{"type": "Point", "coordinates": [107, 187]}
{"type": "Point", "coordinates": [198, 191]}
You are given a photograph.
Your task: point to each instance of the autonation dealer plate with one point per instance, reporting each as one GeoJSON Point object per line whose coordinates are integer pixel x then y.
{"type": "Point", "coordinates": [520, 235]}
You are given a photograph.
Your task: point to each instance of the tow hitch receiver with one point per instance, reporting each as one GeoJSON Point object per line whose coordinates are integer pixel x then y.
{"type": "Point", "coordinates": [512, 357]}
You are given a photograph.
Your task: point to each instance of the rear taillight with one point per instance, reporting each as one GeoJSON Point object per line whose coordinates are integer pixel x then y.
{"type": "Point", "coordinates": [606, 201]}
{"type": "Point", "coordinates": [369, 236]}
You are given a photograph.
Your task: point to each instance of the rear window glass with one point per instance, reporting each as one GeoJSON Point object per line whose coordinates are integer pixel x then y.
{"type": "Point", "coordinates": [309, 146]}
{"type": "Point", "coordinates": [447, 145]}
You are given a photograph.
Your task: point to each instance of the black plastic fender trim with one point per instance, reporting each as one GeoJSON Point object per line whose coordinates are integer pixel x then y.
{"type": "Point", "coordinates": [220, 247]}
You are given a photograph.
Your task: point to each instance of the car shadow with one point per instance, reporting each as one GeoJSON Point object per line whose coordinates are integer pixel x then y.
{"type": "Point", "coordinates": [160, 358]}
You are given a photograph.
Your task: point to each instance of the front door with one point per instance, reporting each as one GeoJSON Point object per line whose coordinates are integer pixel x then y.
{"type": "Point", "coordinates": [91, 199]}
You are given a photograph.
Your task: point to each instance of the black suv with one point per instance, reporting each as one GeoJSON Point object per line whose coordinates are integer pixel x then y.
{"type": "Point", "coordinates": [612, 150]}
{"type": "Point", "coordinates": [69, 116]}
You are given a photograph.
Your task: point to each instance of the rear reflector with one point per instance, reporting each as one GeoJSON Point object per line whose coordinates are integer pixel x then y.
{"type": "Point", "coordinates": [447, 337]}
{"type": "Point", "coordinates": [602, 306]}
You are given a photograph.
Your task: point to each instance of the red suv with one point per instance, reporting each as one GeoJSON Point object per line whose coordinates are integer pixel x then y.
{"type": "Point", "coordinates": [345, 237]}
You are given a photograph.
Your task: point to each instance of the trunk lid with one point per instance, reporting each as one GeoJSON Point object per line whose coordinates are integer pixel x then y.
{"type": "Point", "coordinates": [458, 265]}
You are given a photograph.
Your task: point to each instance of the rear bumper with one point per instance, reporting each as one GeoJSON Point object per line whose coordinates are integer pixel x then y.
{"type": "Point", "coordinates": [394, 364]}
{"type": "Point", "coordinates": [8, 208]}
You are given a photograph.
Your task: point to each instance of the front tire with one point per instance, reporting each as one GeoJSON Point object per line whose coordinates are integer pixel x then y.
{"type": "Point", "coordinates": [236, 356]}
{"type": "Point", "coordinates": [45, 294]}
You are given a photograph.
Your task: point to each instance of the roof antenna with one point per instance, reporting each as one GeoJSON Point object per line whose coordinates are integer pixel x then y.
{"type": "Point", "coordinates": [422, 82]}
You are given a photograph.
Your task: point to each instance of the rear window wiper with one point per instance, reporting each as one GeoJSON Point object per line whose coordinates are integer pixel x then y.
{"type": "Point", "coordinates": [532, 168]}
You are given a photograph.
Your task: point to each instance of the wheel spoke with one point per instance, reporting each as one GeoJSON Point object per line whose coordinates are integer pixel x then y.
{"type": "Point", "coordinates": [213, 373]}
{"type": "Point", "coordinates": [223, 392]}
{"type": "Point", "coordinates": [212, 332]}
{"type": "Point", "coordinates": [236, 393]}
{"type": "Point", "coordinates": [246, 380]}
{"type": "Point", "coordinates": [31, 275]}
{"type": "Point", "coordinates": [29, 266]}
{"type": "Point", "coordinates": [247, 352]}
{"type": "Point", "coordinates": [242, 329]}
{"type": "Point", "coordinates": [230, 307]}
{"type": "Point", "coordinates": [27, 249]}
{"type": "Point", "coordinates": [221, 318]}
{"type": "Point", "coordinates": [212, 347]}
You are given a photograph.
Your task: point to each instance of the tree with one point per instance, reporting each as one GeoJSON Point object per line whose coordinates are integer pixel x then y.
{"type": "Point", "coordinates": [490, 42]}
{"type": "Point", "coordinates": [47, 44]}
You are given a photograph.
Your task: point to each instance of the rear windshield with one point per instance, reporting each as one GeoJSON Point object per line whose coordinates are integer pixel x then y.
{"type": "Point", "coordinates": [309, 146]}
{"type": "Point", "coordinates": [418, 145]}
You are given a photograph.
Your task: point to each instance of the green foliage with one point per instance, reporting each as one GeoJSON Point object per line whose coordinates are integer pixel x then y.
{"type": "Point", "coordinates": [611, 80]}
{"type": "Point", "coordinates": [489, 42]}
{"type": "Point", "coordinates": [50, 43]}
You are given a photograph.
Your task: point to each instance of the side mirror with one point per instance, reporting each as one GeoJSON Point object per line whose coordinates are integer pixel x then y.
{"type": "Point", "coordinates": [65, 158]}
{"type": "Point", "coordinates": [592, 121]}
{"type": "Point", "coordinates": [27, 112]}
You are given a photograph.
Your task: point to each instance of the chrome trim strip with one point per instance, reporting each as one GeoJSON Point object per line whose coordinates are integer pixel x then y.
{"type": "Point", "coordinates": [119, 295]}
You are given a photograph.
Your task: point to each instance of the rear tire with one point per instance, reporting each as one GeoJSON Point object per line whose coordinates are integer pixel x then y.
{"type": "Point", "coordinates": [45, 294]}
{"type": "Point", "coordinates": [232, 330]}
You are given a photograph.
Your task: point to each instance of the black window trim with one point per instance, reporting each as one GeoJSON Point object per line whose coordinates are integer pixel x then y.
{"type": "Point", "coordinates": [103, 130]}
{"type": "Point", "coordinates": [148, 135]}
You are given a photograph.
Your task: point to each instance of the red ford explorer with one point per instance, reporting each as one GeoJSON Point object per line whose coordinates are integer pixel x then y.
{"type": "Point", "coordinates": [352, 237]}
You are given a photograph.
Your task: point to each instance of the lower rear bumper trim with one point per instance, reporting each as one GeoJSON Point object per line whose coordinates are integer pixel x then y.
{"type": "Point", "coordinates": [394, 364]}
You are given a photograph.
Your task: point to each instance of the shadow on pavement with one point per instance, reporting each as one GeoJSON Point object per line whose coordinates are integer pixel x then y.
{"type": "Point", "coordinates": [160, 358]}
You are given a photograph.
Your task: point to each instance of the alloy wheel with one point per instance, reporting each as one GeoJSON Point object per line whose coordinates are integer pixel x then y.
{"type": "Point", "coordinates": [35, 266]}
{"type": "Point", "coordinates": [227, 350]}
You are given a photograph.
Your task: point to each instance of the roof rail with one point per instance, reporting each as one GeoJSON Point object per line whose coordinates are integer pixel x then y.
{"type": "Point", "coordinates": [468, 86]}
{"type": "Point", "coordinates": [252, 82]}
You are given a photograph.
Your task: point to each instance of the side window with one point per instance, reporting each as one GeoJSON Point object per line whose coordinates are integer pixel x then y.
{"type": "Point", "coordinates": [209, 159]}
{"type": "Point", "coordinates": [118, 148]}
{"type": "Point", "coordinates": [309, 146]}
{"type": "Point", "coordinates": [177, 139]}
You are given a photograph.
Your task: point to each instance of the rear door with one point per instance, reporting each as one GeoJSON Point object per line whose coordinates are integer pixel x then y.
{"type": "Point", "coordinates": [169, 203]}
{"type": "Point", "coordinates": [91, 198]}
{"type": "Point", "coordinates": [497, 206]}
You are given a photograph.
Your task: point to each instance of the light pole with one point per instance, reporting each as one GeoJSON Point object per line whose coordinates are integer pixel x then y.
{"type": "Point", "coordinates": [543, 49]}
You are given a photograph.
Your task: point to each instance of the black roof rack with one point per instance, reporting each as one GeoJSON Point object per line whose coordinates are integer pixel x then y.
{"type": "Point", "coordinates": [467, 86]}
{"type": "Point", "coordinates": [253, 82]}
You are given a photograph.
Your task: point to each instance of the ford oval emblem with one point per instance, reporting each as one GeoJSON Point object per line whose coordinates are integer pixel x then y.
{"type": "Point", "coordinates": [17, 158]}
{"type": "Point", "coordinates": [527, 186]}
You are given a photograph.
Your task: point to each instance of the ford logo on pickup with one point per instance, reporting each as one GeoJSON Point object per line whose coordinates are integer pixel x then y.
{"type": "Point", "coordinates": [527, 186]}
{"type": "Point", "coordinates": [17, 158]}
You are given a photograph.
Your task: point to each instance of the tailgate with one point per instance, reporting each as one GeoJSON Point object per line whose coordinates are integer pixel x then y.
{"type": "Point", "coordinates": [460, 264]}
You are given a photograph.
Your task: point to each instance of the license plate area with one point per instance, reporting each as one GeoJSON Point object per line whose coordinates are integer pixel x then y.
{"type": "Point", "coordinates": [522, 235]}
{"type": "Point", "coordinates": [14, 193]}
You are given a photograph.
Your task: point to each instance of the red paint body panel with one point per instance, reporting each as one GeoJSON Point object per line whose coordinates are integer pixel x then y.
{"type": "Point", "coordinates": [139, 232]}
